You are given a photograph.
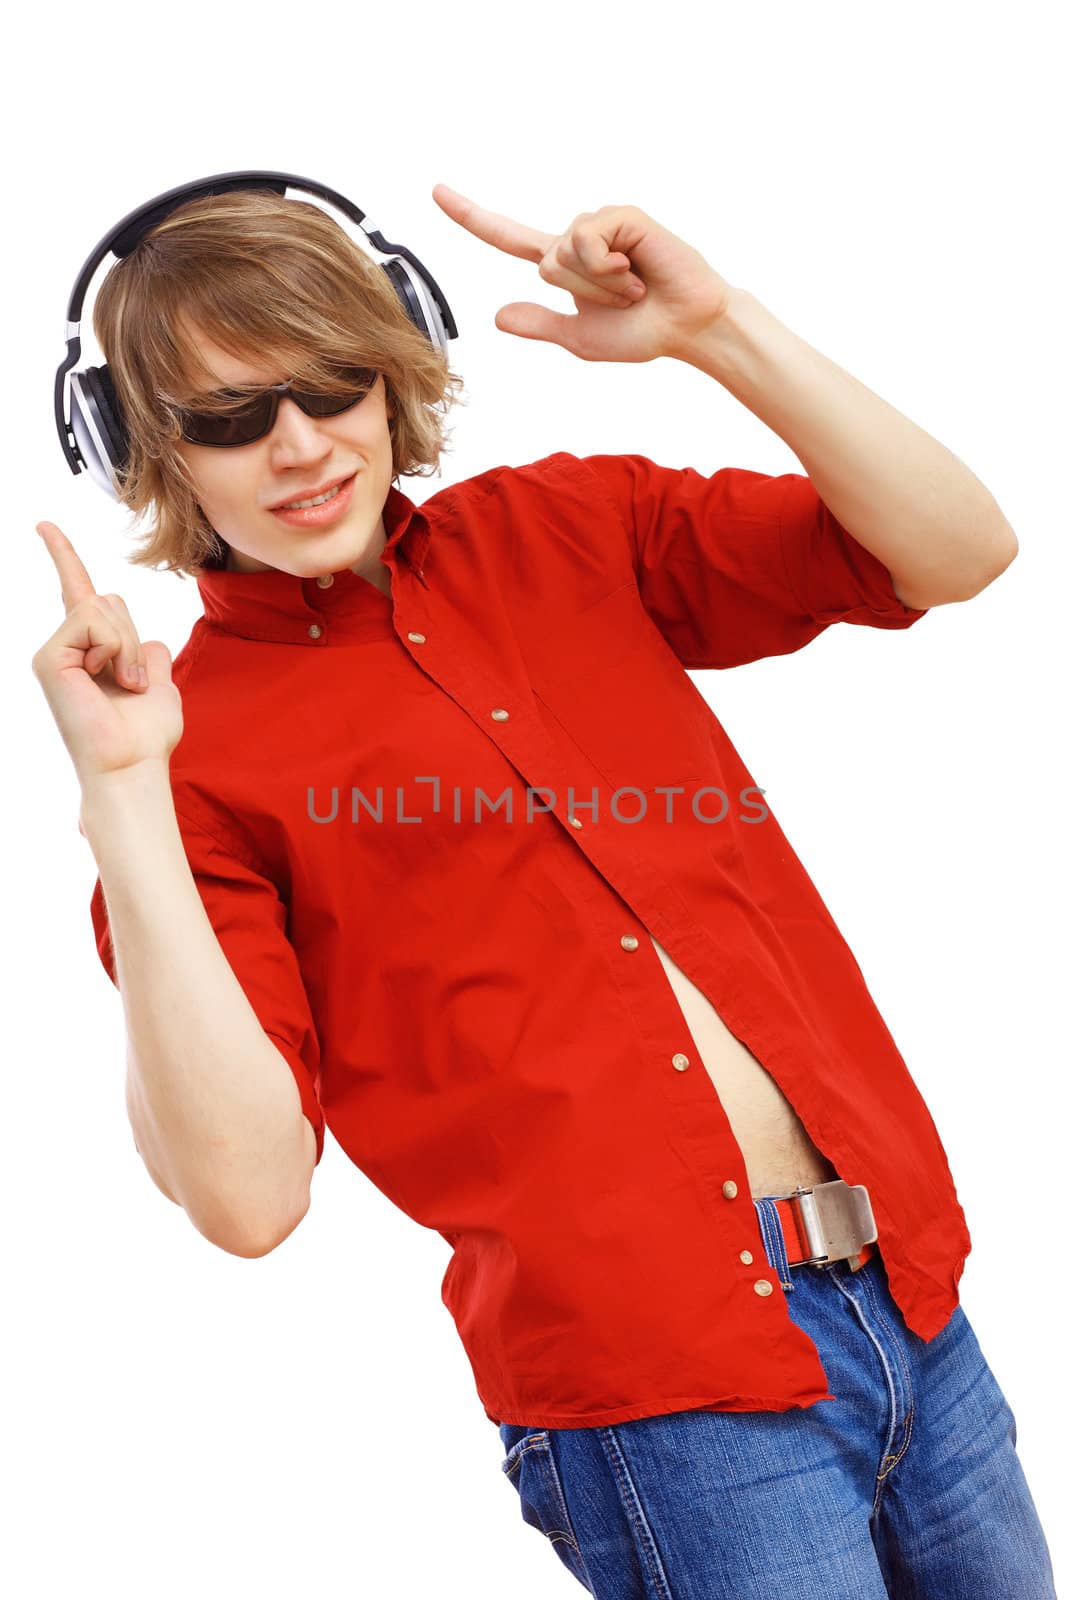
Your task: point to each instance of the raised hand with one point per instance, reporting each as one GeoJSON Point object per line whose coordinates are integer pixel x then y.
{"type": "Point", "coordinates": [598, 260]}
{"type": "Point", "coordinates": [108, 717]}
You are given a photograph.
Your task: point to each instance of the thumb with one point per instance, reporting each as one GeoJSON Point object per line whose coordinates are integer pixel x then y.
{"type": "Point", "coordinates": [530, 321]}
{"type": "Point", "coordinates": [157, 660]}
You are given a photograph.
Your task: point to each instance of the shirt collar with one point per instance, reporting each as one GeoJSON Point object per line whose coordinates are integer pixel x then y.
{"type": "Point", "coordinates": [282, 608]}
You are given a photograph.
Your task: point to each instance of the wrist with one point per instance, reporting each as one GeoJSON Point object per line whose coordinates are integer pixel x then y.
{"type": "Point", "coordinates": [722, 344]}
{"type": "Point", "coordinates": [125, 789]}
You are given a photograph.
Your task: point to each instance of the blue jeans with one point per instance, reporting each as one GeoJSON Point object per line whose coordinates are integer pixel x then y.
{"type": "Point", "coordinates": [906, 1484]}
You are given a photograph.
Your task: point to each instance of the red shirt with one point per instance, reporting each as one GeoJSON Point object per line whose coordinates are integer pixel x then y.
{"type": "Point", "coordinates": [471, 1001]}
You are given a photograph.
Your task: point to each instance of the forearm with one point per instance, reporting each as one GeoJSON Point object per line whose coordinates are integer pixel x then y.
{"type": "Point", "coordinates": [217, 1112]}
{"type": "Point", "coordinates": [901, 494]}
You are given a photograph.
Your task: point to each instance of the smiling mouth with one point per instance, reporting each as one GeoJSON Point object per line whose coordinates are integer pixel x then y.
{"type": "Point", "coordinates": [317, 497]}
{"type": "Point", "coordinates": [326, 510]}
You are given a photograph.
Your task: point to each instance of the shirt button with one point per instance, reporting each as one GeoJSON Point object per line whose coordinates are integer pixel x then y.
{"type": "Point", "coordinates": [628, 941]}
{"type": "Point", "coordinates": [761, 1286]}
{"type": "Point", "coordinates": [680, 1061]}
{"type": "Point", "coordinates": [315, 632]}
{"type": "Point", "coordinates": [575, 822]}
{"type": "Point", "coordinates": [729, 1189]}
{"type": "Point", "coordinates": [499, 715]}
{"type": "Point", "coordinates": [325, 580]}
{"type": "Point", "coordinates": [746, 1257]}
{"type": "Point", "coordinates": [417, 638]}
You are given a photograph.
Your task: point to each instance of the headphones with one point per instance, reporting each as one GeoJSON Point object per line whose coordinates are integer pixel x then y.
{"type": "Point", "coordinates": [93, 435]}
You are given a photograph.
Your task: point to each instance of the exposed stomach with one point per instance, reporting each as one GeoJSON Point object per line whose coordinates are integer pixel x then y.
{"type": "Point", "coordinates": [779, 1155]}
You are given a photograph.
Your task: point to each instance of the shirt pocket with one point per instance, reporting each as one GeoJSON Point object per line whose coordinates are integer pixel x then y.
{"type": "Point", "coordinates": [608, 679]}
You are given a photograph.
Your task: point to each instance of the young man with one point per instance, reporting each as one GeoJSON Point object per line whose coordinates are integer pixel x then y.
{"type": "Point", "coordinates": [371, 854]}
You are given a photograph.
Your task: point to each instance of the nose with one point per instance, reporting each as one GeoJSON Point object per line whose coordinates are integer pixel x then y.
{"type": "Point", "coordinates": [296, 436]}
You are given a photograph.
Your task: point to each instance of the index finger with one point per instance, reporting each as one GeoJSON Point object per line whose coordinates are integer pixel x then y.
{"type": "Point", "coordinates": [503, 232]}
{"type": "Point", "coordinates": [75, 582]}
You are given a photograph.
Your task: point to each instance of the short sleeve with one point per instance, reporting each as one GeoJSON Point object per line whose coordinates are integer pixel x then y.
{"type": "Point", "coordinates": [836, 578]}
{"type": "Point", "coordinates": [249, 919]}
{"type": "Point", "coordinates": [740, 565]}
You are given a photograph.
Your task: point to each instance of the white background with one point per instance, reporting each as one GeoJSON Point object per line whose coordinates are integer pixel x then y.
{"type": "Point", "coordinates": [887, 180]}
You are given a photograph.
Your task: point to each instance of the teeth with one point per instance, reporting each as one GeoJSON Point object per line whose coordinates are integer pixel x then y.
{"type": "Point", "coordinates": [298, 505]}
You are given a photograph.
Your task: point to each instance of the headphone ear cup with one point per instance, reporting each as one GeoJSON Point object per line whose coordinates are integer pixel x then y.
{"type": "Point", "coordinates": [417, 301]}
{"type": "Point", "coordinates": [99, 427]}
{"type": "Point", "coordinates": [117, 440]}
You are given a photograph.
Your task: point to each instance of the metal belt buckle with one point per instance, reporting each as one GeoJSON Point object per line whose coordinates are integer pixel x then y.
{"type": "Point", "coordinates": [838, 1221]}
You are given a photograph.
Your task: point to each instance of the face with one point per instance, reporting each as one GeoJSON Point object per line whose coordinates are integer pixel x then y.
{"type": "Point", "coordinates": [238, 487]}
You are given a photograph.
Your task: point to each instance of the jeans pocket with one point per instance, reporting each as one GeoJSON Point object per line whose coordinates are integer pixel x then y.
{"type": "Point", "coordinates": [531, 1467]}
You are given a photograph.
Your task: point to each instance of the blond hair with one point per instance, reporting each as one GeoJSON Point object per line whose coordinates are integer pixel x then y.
{"type": "Point", "coordinates": [269, 279]}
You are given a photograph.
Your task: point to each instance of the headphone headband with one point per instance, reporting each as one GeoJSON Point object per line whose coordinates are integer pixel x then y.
{"type": "Point", "coordinates": [93, 437]}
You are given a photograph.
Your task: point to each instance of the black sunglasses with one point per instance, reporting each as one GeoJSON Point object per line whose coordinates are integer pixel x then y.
{"type": "Point", "coordinates": [256, 416]}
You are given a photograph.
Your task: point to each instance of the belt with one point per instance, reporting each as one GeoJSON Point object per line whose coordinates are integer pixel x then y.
{"type": "Point", "coordinates": [828, 1222]}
